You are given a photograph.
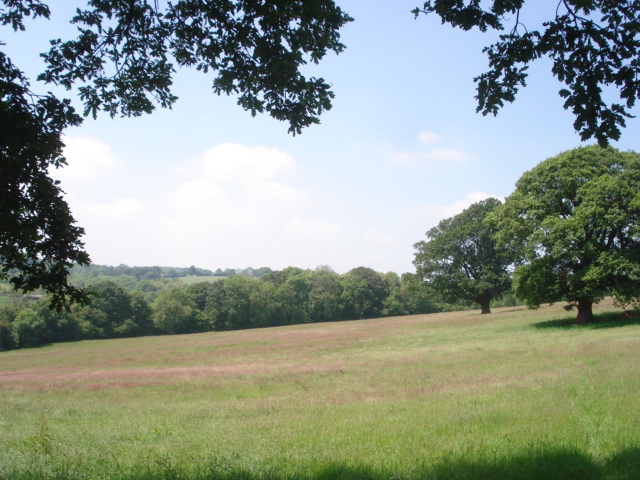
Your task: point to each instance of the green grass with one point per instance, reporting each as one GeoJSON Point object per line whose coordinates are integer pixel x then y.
{"type": "Point", "coordinates": [197, 279]}
{"type": "Point", "coordinates": [518, 394]}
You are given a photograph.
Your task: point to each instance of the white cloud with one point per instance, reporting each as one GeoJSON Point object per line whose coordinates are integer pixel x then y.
{"type": "Point", "coordinates": [230, 161]}
{"type": "Point", "coordinates": [312, 228]}
{"type": "Point", "coordinates": [87, 160]}
{"type": "Point", "coordinates": [427, 137]}
{"type": "Point", "coordinates": [232, 206]}
{"type": "Point", "coordinates": [432, 155]}
{"type": "Point", "coordinates": [233, 186]}
{"type": "Point", "coordinates": [439, 212]}
{"type": "Point", "coordinates": [119, 208]}
{"type": "Point", "coordinates": [379, 239]}
{"type": "Point", "coordinates": [261, 189]}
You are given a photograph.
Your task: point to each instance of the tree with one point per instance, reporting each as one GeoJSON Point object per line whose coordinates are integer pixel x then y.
{"type": "Point", "coordinates": [140, 323]}
{"type": "Point", "coordinates": [28, 329]}
{"type": "Point", "coordinates": [416, 295]}
{"type": "Point", "coordinates": [293, 298]}
{"type": "Point", "coordinates": [575, 219]}
{"type": "Point", "coordinates": [593, 44]}
{"type": "Point", "coordinates": [203, 295]}
{"type": "Point", "coordinates": [39, 241]}
{"type": "Point", "coordinates": [324, 296]}
{"type": "Point", "coordinates": [174, 312]}
{"type": "Point", "coordinates": [61, 326]}
{"type": "Point", "coordinates": [363, 293]}
{"type": "Point", "coordinates": [461, 259]}
{"type": "Point", "coordinates": [113, 312]}
{"type": "Point", "coordinates": [121, 63]}
{"type": "Point", "coordinates": [243, 302]}
{"type": "Point", "coordinates": [6, 337]}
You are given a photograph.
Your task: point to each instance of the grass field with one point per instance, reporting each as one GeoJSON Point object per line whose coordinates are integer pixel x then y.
{"type": "Point", "coordinates": [197, 279]}
{"type": "Point", "coordinates": [517, 394]}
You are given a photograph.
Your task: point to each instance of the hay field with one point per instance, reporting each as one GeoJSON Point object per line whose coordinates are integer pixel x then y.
{"type": "Point", "coordinates": [514, 394]}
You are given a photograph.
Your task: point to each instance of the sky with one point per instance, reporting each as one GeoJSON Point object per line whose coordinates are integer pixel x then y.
{"type": "Point", "coordinates": [207, 184]}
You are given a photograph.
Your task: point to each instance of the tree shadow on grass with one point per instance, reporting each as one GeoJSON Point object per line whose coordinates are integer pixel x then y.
{"type": "Point", "coordinates": [511, 309]}
{"type": "Point", "coordinates": [602, 320]}
{"type": "Point", "coordinates": [533, 464]}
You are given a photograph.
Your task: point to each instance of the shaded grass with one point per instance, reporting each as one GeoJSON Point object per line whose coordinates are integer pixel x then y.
{"type": "Point", "coordinates": [455, 395]}
{"type": "Point", "coordinates": [602, 320]}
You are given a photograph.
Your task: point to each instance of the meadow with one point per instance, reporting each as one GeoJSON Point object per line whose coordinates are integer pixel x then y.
{"type": "Point", "coordinates": [516, 394]}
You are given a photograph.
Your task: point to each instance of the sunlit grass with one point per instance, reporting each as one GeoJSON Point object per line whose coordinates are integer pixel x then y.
{"type": "Point", "coordinates": [515, 394]}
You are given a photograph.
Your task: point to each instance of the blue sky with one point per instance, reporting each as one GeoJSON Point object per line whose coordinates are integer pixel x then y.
{"type": "Point", "coordinates": [206, 184]}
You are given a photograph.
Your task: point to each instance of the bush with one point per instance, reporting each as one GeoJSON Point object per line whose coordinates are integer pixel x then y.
{"type": "Point", "coordinates": [28, 329]}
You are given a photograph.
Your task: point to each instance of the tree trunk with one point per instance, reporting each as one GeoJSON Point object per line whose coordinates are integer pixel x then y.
{"type": "Point", "coordinates": [585, 311]}
{"type": "Point", "coordinates": [485, 305]}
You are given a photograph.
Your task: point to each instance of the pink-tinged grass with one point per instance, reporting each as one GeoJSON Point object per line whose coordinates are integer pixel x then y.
{"type": "Point", "coordinates": [515, 394]}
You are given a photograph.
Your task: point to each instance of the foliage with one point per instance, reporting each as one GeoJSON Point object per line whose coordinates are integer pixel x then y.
{"type": "Point", "coordinates": [28, 329]}
{"type": "Point", "coordinates": [39, 241]}
{"type": "Point", "coordinates": [575, 219]}
{"type": "Point", "coordinates": [121, 63]}
{"type": "Point", "coordinates": [113, 312]}
{"type": "Point", "coordinates": [174, 311]}
{"type": "Point", "coordinates": [61, 326]}
{"type": "Point", "coordinates": [122, 56]}
{"type": "Point", "coordinates": [140, 322]}
{"type": "Point", "coordinates": [416, 295]}
{"type": "Point", "coordinates": [245, 302]}
{"type": "Point", "coordinates": [124, 307]}
{"type": "Point", "coordinates": [292, 296]}
{"type": "Point", "coordinates": [461, 259]}
{"type": "Point", "coordinates": [363, 292]}
{"type": "Point", "coordinates": [594, 45]}
{"type": "Point", "coordinates": [324, 296]}
{"type": "Point", "coordinates": [6, 335]}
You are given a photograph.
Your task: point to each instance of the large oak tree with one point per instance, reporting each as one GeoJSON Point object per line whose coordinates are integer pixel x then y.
{"type": "Point", "coordinates": [575, 219]}
{"type": "Point", "coordinates": [461, 260]}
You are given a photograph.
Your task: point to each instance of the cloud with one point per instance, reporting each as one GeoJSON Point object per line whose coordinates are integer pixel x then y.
{"type": "Point", "coordinates": [217, 209]}
{"type": "Point", "coordinates": [119, 208]}
{"type": "Point", "coordinates": [430, 156]}
{"type": "Point", "coordinates": [427, 137]}
{"type": "Point", "coordinates": [299, 226]}
{"type": "Point", "coordinates": [87, 160]}
{"type": "Point", "coordinates": [379, 239]}
{"type": "Point", "coordinates": [233, 186]}
{"type": "Point", "coordinates": [435, 155]}
{"type": "Point", "coordinates": [231, 206]}
{"type": "Point", "coordinates": [229, 161]}
{"type": "Point", "coordinates": [440, 212]}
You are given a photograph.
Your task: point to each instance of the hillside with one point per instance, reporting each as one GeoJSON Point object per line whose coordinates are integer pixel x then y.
{"type": "Point", "coordinates": [514, 394]}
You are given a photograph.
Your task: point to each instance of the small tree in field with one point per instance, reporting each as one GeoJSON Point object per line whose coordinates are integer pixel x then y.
{"type": "Point", "coordinates": [461, 260]}
{"type": "Point", "coordinates": [575, 218]}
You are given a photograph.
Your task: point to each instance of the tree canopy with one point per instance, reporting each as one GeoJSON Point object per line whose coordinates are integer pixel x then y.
{"type": "Point", "coordinates": [122, 63]}
{"type": "Point", "coordinates": [594, 47]}
{"type": "Point", "coordinates": [461, 259]}
{"type": "Point", "coordinates": [575, 220]}
{"type": "Point", "coordinates": [39, 240]}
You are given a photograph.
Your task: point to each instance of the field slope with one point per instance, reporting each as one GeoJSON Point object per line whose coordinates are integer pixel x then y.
{"type": "Point", "coordinates": [517, 394]}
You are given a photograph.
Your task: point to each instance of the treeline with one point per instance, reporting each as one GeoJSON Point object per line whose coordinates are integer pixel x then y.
{"type": "Point", "coordinates": [88, 273]}
{"type": "Point", "coordinates": [285, 297]}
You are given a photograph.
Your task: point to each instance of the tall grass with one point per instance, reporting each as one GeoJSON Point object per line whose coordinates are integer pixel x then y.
{"type": "Point", "coordinates": [515, 394]}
